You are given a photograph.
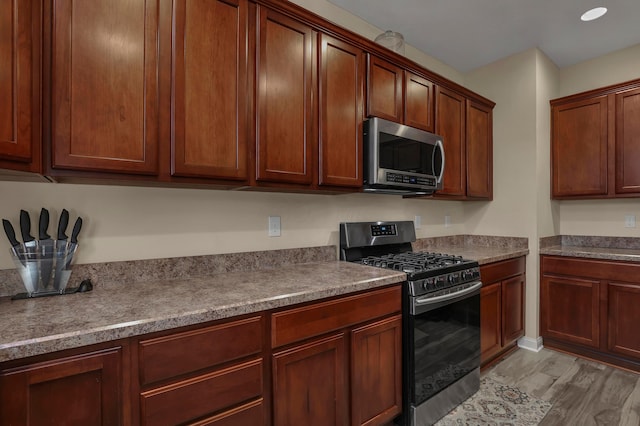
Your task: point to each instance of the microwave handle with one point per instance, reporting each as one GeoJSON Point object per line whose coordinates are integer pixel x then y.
{"type": "Point", "coordinates": [439, 145]}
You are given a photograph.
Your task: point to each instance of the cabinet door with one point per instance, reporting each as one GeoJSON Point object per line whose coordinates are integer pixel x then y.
{"type": "Point", "coordinates": [450, 124]}
{"type": "Point", "coordinates": [628, 142]}
{"type": "Point", "coordinates": [418, 95]}
{"type": "Point", "coordinates": [479, 158]}
{"type": "Point", "coordinates": [569, 310]}
{"type": "Point", "coordinates": [309, 384]}
{"type": "Point", "coordinates": [376, 372]}
{"type": "Point", "coordinates": [19, 85]}
{"type": "Point", "coordinates": [104, 85]}
{"type": "Point", "coordinates": [341, 113]}
{"type": "Point", "coordinates": [579, 148]}
{"type": "Point", "coordinates": [209, 137]}
{"type": "Point", "coordinates": [286, 143]}
{"type": "Point", "coordinates": [490, 321]}
{"type": "Point", "coordinates": [384, 89]}
{"type": "Point", "coordinates": [623, 319]}
{"type": "Point", "coordinates": [512, 309]}
{"type": "Point", "coordinates": [82, 390]}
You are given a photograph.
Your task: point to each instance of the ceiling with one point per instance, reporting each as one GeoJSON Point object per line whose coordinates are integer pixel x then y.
{"type": "Point", "coordinates": [466, 34]}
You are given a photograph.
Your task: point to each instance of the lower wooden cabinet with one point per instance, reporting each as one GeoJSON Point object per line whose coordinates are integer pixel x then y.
{"type": "Point", "coordinates": [590, 307]}
{"type": "Point", "coordinates": [501, 307]}
{"type": "Point", "coordinates": [343, 367]}
{"type": "Point", "coordinates": [330, 362]}
{"type": "Point", "coordinates": [309, 384]}
{"type": "Point", "coordinates": [84, 389]}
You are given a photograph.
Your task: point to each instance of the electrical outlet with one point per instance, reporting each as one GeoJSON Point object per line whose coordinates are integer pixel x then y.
{"type": "Point", "coordinates": [274, 226]}
{"type": "Point", "coordinates": [417, 221]}
{"type": "Point", "coordinates": [630, 221]}
{"type": "Point", "coordinates": [447, 221]}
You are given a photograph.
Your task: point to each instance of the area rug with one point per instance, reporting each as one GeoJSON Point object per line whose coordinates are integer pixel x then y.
{"type": "Point", "coordinates": [496, 404]}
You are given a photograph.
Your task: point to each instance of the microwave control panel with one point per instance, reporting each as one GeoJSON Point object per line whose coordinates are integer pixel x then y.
{"type": "Point", "coordinates": [409, 179]}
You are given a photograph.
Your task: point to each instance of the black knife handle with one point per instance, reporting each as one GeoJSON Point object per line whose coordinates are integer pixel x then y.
{"type": "Point", "coordinates": [62, 225]}
{"type": "Point", "coordinates": [25, 226]}
{"type": "Point", "coordinates": [76, 230]}
{"type": "Point", "coordinates": [11, 233]}
{"type": "Point", "coordinates": [43, 225]}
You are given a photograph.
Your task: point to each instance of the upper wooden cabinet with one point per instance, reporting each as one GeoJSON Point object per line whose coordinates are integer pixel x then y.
{"type": "Point", "coordinates": [341, 100]}
{"type": "Point", "coordinates": [595, 148]}
{"type": "Point", "coordinates": [20, 32]}
{"type": "Point", "coordinates": [104, 85]}
{"type": "Point", "coordinates": [466, 127]}
{"type": "Point", "coordinates": [285, 145]}
{"type": "Point", "coordinates": [399, 95]}
{"type": "Point", "coordinates": [209, 134]}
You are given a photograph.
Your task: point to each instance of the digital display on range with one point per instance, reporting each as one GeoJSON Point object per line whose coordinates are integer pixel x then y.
{"type": "Point", "coordinates": [380, 230]}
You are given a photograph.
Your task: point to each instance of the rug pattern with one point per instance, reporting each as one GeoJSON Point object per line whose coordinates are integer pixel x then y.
{"type": "Point", "coordinates": [496, 404]}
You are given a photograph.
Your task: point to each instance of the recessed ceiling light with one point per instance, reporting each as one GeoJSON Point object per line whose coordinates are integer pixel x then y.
{"type": "Point", "coordinates": [594, 13]}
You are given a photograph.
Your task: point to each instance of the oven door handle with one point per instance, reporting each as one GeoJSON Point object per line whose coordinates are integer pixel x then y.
{"type": "Point", "coordinates": [426, 301]}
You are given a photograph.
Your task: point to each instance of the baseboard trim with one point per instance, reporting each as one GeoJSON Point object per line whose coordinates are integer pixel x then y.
{"type": "Point", "coordinates": [531, 344]}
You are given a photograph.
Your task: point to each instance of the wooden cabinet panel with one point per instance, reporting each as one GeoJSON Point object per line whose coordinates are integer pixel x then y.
{"type": "Point", "coordinates": [479, 144]}
{"type": "Point", "coordinates": [105, 85]}
{"type": "Point", "coordinates": [209, 135]}
{"type": "Point", "coordinates": [191, 399]}
{"type": "Point", "coordinates": [450, 124]}
{"type": "Point", "coordinates": [341, 113]}
{"type": "Point", "coordinates": [246, 415]}
{"type": "Point", "coordinates": [513, 308]}
{"type": "Point", "coordinates": [181, 353]}
{"type": "Point", "coordinates": [376, 372]}
{"type": "Point", "coordinates": [301, 323]}
{"type": "Point", "coordinates": [286, 80]}
{"type": "Point", "coordinates": [490, 321]}
{"type": "Point", "coordinates": [501, 307]}
{"type": "Point", "coordinates": [82, 390]}
{"type": "Point", "coordinates": [579, 146]}
{"type": "Point", "coordinates": [309, 384]}
{"type": "Point", "coordinates": [627, 142]}
{"type": "Point", "coordinates": [19, 84]}
{"type": "Point", "coordinates": [384, 89]}
{"type": "Point", "coordinates": [570, 310]}
{"type": "Point", "coordinates": [624, 317]}
{"type": "Point", "coordinates": [419, 101]}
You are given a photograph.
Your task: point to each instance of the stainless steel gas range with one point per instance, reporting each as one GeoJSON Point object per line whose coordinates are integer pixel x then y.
{"type": "Point", "coordinates": [441, 316]}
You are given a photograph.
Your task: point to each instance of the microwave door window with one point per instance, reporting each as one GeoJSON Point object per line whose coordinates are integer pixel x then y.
{"type": "Point", "coordinates": [405, 155]}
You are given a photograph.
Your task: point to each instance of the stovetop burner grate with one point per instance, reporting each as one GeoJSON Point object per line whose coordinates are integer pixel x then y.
{"type": "Point", "coordinates": [412, 262]}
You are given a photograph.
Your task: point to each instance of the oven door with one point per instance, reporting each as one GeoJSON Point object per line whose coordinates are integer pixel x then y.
{"type": "Point", "coordinates": [444, 333]}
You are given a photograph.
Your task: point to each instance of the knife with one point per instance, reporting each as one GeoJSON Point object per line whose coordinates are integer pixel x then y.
{"type": "Point", "coordinates": [61, 248]}
{"type": "Point", "coordinates": [73, 244]}
{"type": "Point", "coordinates": [45, 248]}
{"type": "Point", "coordinates": [30, 247]}
{"type": "Point", "coordinates": [11, 235]}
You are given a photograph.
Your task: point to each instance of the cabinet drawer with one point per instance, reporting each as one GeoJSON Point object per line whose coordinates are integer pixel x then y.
{"type": "Point", "coordinates": [313, 320]}
{"type": "Point", "coordinates": [181, 353]}
{"type": "Point", "coordinates": [591, 268]}
{"type": "Point", "coordinates": [499, 271]}
{"type": "Point", "coordinates": [248, 414]}
{"type": "Point", "coordinates": [202, 395]}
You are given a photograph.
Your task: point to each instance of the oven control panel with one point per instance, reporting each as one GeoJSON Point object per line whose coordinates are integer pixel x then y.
{"type": "Point", "coordinates": [383, 230]}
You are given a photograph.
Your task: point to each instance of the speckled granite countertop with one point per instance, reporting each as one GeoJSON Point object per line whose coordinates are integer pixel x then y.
{"type": "Point", "coordinates": [37, 326]}
{"type": "Point", "coordinates": [484, 249]}
{"type": "Point", "coordinates": [608, 248]}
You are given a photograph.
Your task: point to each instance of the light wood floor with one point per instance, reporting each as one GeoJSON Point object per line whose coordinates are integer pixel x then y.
{"type": "Point", "coordinates": [583, 393]}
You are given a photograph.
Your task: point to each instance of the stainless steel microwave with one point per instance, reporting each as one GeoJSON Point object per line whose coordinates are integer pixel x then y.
{"type": "Point", "coordinates": [401, 159]}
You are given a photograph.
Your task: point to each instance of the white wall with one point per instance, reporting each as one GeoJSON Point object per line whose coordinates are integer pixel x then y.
{"type": "Point", "coordinates": [512, 84]}
{"type": "Point", "coordinates": [599, 217]}
{"type": "Point", "coordinates": [129, 223]}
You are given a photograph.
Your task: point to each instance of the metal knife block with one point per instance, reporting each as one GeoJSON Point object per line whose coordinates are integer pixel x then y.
{"type": "Point", "coordinates": [44, 272]}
